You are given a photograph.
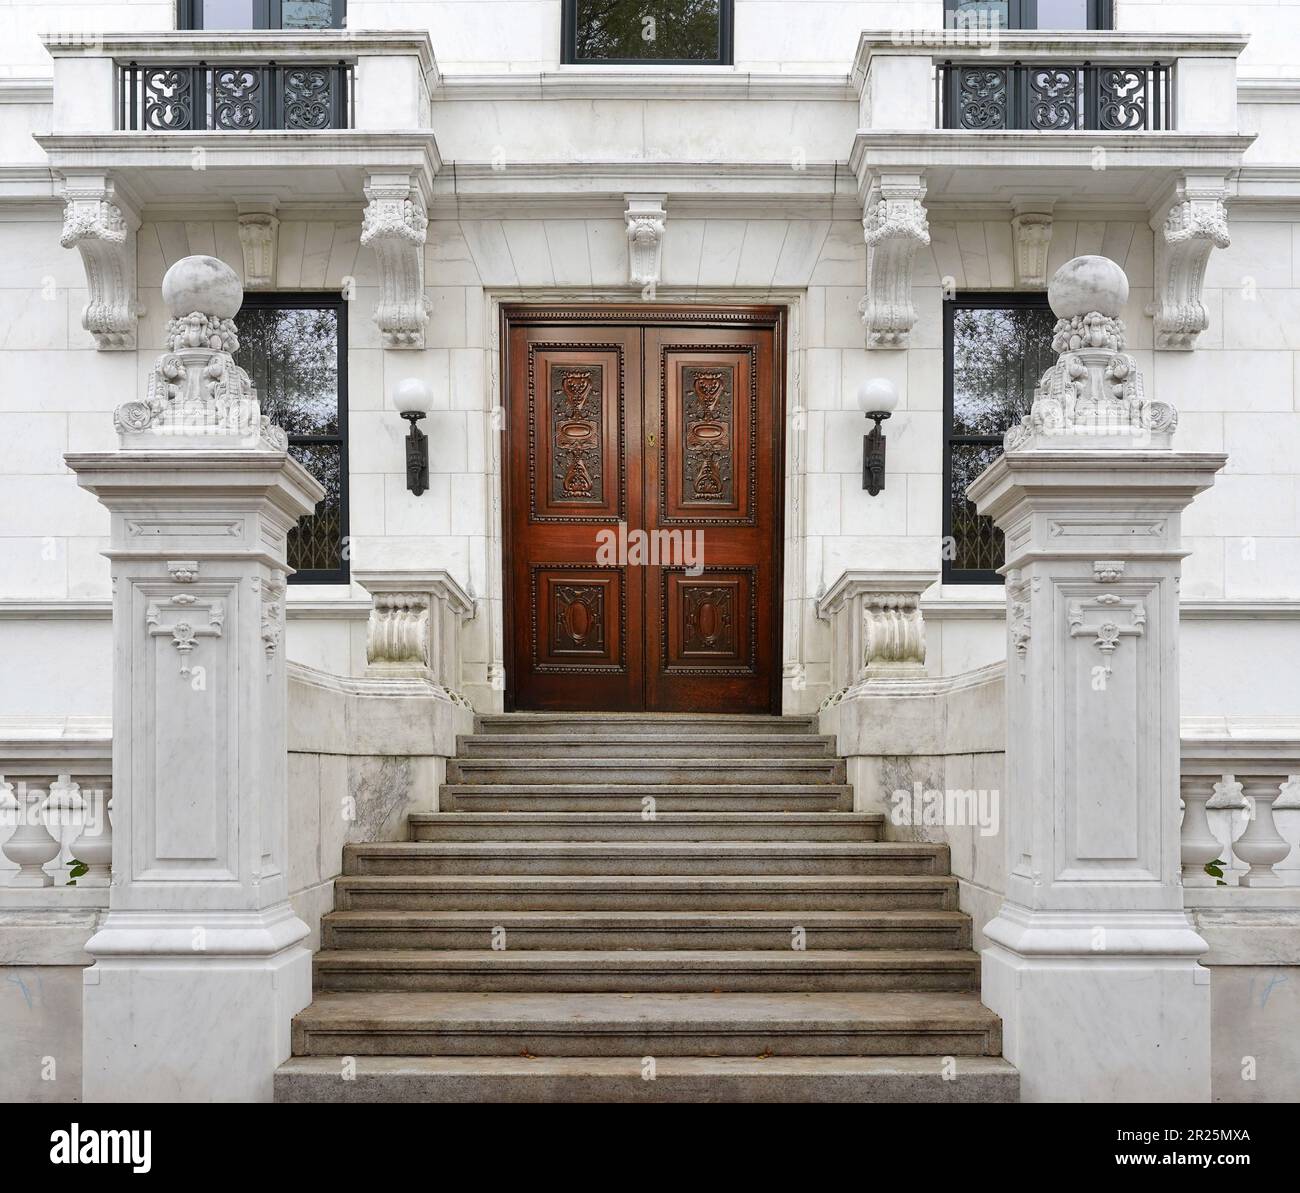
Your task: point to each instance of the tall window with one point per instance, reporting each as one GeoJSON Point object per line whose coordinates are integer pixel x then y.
{"type": "Point", "coordinates": [1030, 14]}
{"type": "Point", "coordinates": [295, 348]}
{"type": "Point", "coordinates": [996, 347]}
{"type": "Point", "coordinates": [689, 32]}
{"type": "Point", "coordinates": [261, 14]}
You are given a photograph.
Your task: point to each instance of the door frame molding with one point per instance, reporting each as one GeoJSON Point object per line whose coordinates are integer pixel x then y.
{"type": "Point", "coordinates": [737, 311]}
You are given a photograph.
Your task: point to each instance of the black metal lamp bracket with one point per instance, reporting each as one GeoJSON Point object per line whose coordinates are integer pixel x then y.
{"type": "Point", "coordinates": [417, 454]}
{"type": "Point", "coordinates": [873, 456]}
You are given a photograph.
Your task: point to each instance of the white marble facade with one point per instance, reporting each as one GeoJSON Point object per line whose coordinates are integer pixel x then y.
{"type": "Point", "coordinates": [761, 205]}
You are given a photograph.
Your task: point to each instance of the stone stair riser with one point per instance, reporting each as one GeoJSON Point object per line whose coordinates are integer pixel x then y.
{"type": "Point", "coordinates": [941, 937]}
{"type": "Point", "coordinates": [605, 981]}
{"type": "Point", "coordinates": [601, 1040]}
{"type": "Point", "coordinates": [693, 771]}
{"type": "Point", "coordinates": [466, 827]}
{"type": "Point", "coordinates": [837, 1084]}
{"type": "Point", "coordinates": [581, 749]}
{"type": "Point", "coordinates": [670, 863]}
{"type": "Point", "coordinates": [671, 727]}
{"type": "Point", "coordinates": [460, 798]}
{"type": "Point", "coordinates": [633, 900]}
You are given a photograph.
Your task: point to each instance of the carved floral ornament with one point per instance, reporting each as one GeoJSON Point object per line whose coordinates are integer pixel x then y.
{"type": "Point", "coordinates": [273, 612]}
{"type": "Point", "coordinates": [895, 227]}
{"type": "Point", "coordinates": [1019, 623]}
{"type": "Point", "coordinates": [1094, 394]}
{"type": "Point", "coordinates": [1196, 225]}
{"type": "Point", "coordinates": [395, 227]}
{"type": "Point", "coordinates": [646, 220]}
{"type": "Point", "coordinates": [95, 223]}
{"type": "Point", "coordinates": [1108, 630]}
{"type": "Point", "coordinates": [195, 389]}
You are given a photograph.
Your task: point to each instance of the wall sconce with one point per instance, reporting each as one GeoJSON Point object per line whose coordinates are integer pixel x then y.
{"type": "Point", "coordinates": [878, 399]}
{"type": "Point", "coordinates": [414, 400]}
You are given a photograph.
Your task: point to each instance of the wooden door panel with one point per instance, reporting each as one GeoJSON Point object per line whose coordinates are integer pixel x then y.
{"type": "Point", "coordinates": [670, 422]}
{"type": "Point", "coordinates": [573, 400]}
{"type": "Point", "coordinates": [575, 428]}
{"type": "Point", "coordinates": [580, 624]}
{"type": "Point", "coordinates": [707, 429]}
{"type": "Point", "coordinates": [710, 622]}
{"type": "Point", "coordinates": [714, 472]}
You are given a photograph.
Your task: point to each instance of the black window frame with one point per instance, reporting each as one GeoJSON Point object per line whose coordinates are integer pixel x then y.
{"type": "Point", "coordinates": [299, 300]}
{"type": "Point", "coordinates": [268, 14]}
{"type": "Point", "coordinates": [968, 300]}
{"type": "Point", "coordinates": [569, 42]}
{"type": "Point", "coordinates": [1023, 14]}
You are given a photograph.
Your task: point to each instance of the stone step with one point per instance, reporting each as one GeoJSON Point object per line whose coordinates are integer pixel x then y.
{"type": "Point", "coordinates": [671, 725]}
{"type": "Point", "coordinates": [654, 769]}
{"type": "Point", "coordinates": [927, 930]}
{"type": "Point", "coordinates": [519, 796]}
{"type": "Point", "coordinates": [681, 892]}
{"type": "Point", "coordinates": [581, 747]}
{"type": "Point", "coordinates": [756, 858]}
{"type": "Point", "coordinates": [669, 970]}
{"type": "Point", "coordinates": [649, 1025]}
{"type": "Point", "coordinates": [594, 1079]}
{"type": "Point", "coordinates": [632, 826]}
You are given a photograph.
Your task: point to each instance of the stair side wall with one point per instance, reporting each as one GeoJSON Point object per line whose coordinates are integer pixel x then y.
{"type": "Point", "coordinates": [363, 755]}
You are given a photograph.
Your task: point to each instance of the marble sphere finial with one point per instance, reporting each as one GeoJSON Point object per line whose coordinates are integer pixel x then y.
{"type": "Point", "coordinates": [203, 284]}
{"type": "Point", "coordinates": [1087, 284]}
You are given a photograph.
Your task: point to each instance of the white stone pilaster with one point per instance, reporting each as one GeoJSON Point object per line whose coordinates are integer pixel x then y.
{"type": "Point", "coordinates": [102, 227]}
{"type": "Point", "coordinates": [395, 227]}
{"type": "Point", "coordinates": [895, 225]}
{"type": "Point", "coordinates": [200, 964]}
{"type": "Point", "coordinates": [1093, 963]}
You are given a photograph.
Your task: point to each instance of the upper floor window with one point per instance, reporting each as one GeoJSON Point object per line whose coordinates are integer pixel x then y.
{"type": "Point", "coordinates": [996, 348]}
{"type": "Point", "coordinates": [687, 32]}
{"type": "Point", "coordinates": [262, 14]}
{"type": "Point", "coordinates": [294, 347]}
{"type": "Point", "coordinates": [1030, 14]}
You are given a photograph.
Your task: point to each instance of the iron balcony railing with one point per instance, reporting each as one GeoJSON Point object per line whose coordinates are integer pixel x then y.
{"type": "Point", "coordinates": [1054, 98]}
{"type": "Point", "coordinates": [198, 97]}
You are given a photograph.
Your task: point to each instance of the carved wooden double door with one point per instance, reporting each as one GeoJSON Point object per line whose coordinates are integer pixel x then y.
{"type": "Point", "coordinates": [642, 489]}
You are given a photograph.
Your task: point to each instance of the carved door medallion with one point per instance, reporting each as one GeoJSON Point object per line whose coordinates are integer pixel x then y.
{"type": "Point", "coordinates": [669, 422]}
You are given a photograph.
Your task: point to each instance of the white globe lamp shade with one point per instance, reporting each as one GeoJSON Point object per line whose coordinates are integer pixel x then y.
{"type": "Point", "coordinates": [879, 395]}
{"type": "Point", "coordinates": [412, 396]}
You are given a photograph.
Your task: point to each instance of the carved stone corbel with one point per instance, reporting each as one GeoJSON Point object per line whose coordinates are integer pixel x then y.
{"type": "Point", "coordinates": [1196, 224]}
{"type": "Point", "coordinates": [646, 217]}
{"type": "Point", "coordinates": [1032, 228]}
{"type": "Point", "coordinates": [102, 227]}
{"type": "Point", "coordinates": [896, 226]}
{"type": "Point", "coordinates": [394, 227]}
{"type": "Point", "coordinates": [258, 236]}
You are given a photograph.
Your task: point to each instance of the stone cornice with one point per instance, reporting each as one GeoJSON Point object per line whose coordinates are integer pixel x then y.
{"type": "Point", "coordinates": [415, 149]}
{"type": "Point", "coordinates": [554, 190]}
{"type": "Point", "coordinates": [1268, 91]}
{"type": "Point", "coordinates": [26, 91]}
{"type": "Point", "coordinates": [645, 84]}
{"type": "Point", "coordinates": [996, 147]}
{"type": "Point", "coordinates": [1028, 45]}
{"type": "Point", "coordinates": [244, 45]}
{"type": "Point", "coordinates": [1189, 609]}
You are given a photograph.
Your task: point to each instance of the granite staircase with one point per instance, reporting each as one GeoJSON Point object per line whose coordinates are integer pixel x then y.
{"type": "Point", "coordinates": [616, 907]}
